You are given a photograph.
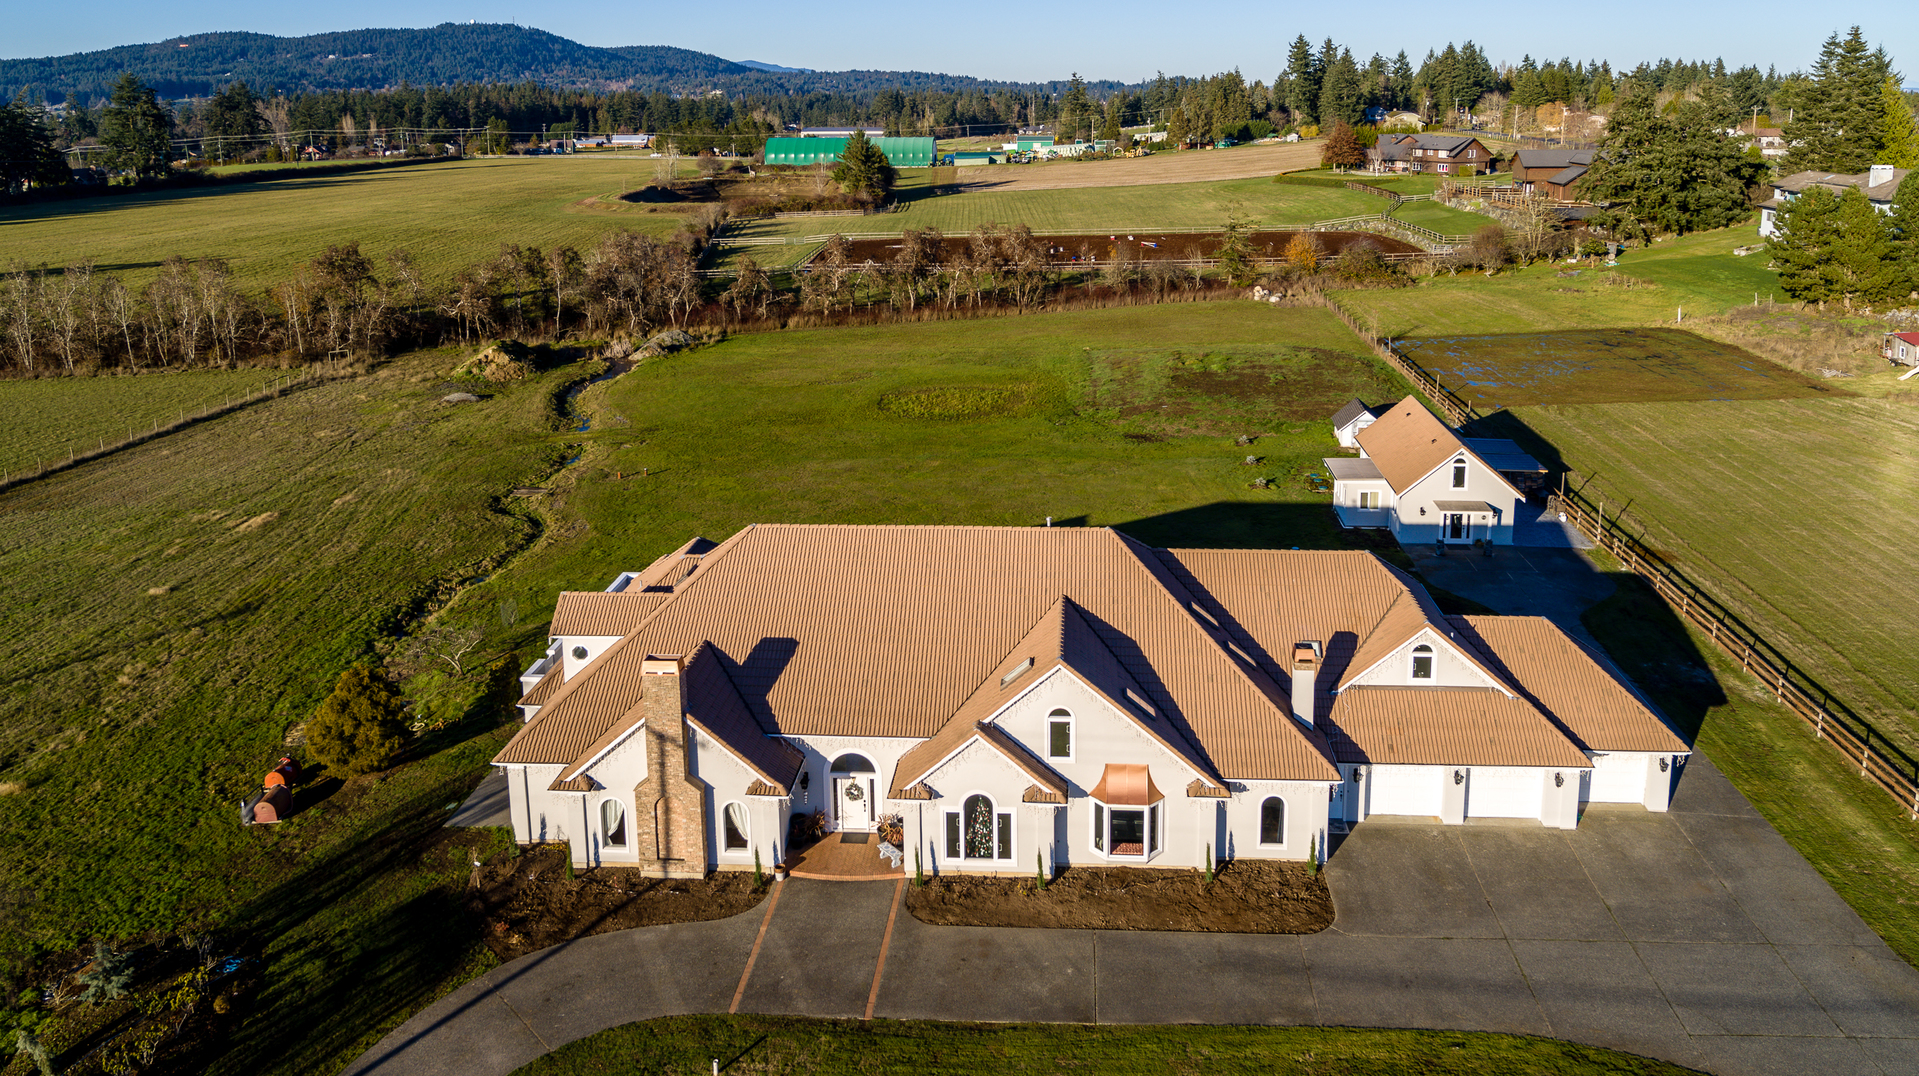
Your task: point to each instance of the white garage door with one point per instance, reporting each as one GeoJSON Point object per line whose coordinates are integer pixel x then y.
{"type": "Point", "coordinates": [1405, 790]}
{"type": "Point", "coordinates": [1504, 792]}
{"type": "Point", "coordinates": [1619, 778]}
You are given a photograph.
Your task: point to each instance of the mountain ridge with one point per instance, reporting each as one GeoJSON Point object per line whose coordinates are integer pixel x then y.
{"type": "Point", "coordinates": [198, 65]}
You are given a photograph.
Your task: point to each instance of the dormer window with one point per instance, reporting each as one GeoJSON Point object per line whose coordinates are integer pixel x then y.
{"type": "Point", "coordinates": [1459, 474]}
{"type": "Point", "coordinates": [1422, 662]}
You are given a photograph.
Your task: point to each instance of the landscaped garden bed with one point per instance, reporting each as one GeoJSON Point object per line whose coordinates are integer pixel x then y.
{"type": "Point", "coordinates": [1244, 897]}
{"type": "Point", "coordinates": [532, 900]}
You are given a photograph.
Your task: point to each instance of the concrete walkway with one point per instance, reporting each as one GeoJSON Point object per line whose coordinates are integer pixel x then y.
{"type": "Point", "coordinates": [1697, 936]}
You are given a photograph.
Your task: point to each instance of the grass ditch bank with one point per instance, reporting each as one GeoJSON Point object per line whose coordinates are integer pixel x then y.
{"type": "Point", "coordinates": [689, 1044]}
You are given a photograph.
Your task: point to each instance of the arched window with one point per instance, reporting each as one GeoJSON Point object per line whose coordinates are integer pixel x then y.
{"type": "Point", "coordinates": [851, 763]}
{"type": "Point", "coordinates": [1272, 821]}
{"type": "Point", "coordinates": [735, 827]}
{"type": "Point", "coordinates": [1422, 662]}
{"type": "Point", "coordinates": [977, 831]}
{"type": "Point", "coordinates": [1059, 735]}
{"type": "Point", "coordinates": [612, 824]}
{"type": "Point", "coordinates": [1459, 474]}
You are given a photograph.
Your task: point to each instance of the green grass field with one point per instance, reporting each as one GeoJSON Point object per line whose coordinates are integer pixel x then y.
{"type": "Point", "coordinates": [1698, 274]}
{"type": "Point", "coordinates": [1603, 366]}
{"type": "Point", "coordinates": [1796, 513]}
{"type": "Point", "coordinates": [173, 609]}
{"type": "Point", "coordinates": [69, 414]}
{"type": "Point", "coordinates": [790, 427]}
{"type": "Point", "coordinates": [1092, 209]}
{"type": "Point", "coordinates": [803, 1047]}
{"type": "Point", "coordinates": [448, 215]}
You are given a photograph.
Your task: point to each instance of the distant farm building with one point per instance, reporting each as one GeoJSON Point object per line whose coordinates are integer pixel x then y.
{"type": "Point", "coordinates": [900, 152]}
{"type": "Point", "coordinates": [1552, 172]}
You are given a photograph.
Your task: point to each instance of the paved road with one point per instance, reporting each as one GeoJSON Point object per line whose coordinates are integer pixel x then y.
{"type": "Point", "coordinates": [1697, 936]}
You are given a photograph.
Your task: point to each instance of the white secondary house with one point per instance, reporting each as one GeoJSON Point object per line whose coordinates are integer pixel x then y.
{"type": "Point", "coordinates": [1418, 478]}
{"type": "Point", "coordinates": [1022, 698]}
{"type": "Point", "coordinates": [1880, 184]}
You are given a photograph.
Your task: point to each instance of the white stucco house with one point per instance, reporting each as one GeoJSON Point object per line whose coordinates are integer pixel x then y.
{"type": "Point", "coordinates": [1416, 477]}
{"type": "Point", "coordinates": [1880, 184]}
{"type": "Point", "coordinates": [1033, 698]}
{"type": "Point", "coordinates": [1352, 418]}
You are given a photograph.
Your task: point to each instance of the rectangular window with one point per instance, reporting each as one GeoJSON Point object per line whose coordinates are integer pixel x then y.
{"type": "Point", "coordinates": [1060, 739]}
{"type": "Point", "coordinates": [1459, 475]}
{"type": "Point", "coordinates": [1006, 836]}
{"type": "Point", "coordinates": [1099, 827]}
{"type": "Point", "coordinates": [1129, 833]}
{"type": "Point", "coordinates": [1369, 499]}
{"type": "Point", "coordinates": [952, 835]}
{"type": "Point", "coordinates": [1152, 829]}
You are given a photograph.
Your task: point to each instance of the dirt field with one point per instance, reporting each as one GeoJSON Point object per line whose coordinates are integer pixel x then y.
{"type": "Point", "coordinates": [1590, 366]}
{"type": "Point", "coordinates": [528, 902]}
{"type": "Point", "coordinates": [1246, 897]}
{"type": "Point", "coordinates": [1189, 166]}
{"type": "Point", "coordinates": [1227, 390]}
{"type": "Point", "coordinates": [1066, 249]}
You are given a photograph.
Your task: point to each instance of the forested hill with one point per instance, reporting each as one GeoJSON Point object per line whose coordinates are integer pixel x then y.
{"type": "Point", "coordinates": [199, 65]}
{"type": "Point", "coordinates": [451, 53]}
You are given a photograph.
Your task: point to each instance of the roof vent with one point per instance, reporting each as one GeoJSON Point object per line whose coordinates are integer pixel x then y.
{"type": "Point", "coordinates": [1018, 670]}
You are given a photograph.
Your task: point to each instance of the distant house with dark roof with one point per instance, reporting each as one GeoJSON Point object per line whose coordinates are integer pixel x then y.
{"type": "Point", "coordinates": [1001, 699]}
{"type": "Point", "coordinates": [1879, 184]}
{"type": "Point", "coordinates": [1439, 154]}
{"type": "Point", "coordinates": [1352, 418]}
{"type": "Point", "coordinates": [1555, 173]}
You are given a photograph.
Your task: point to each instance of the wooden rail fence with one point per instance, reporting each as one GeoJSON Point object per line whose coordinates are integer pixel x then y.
{"type": "Point", "coordinates": [1877, 759]}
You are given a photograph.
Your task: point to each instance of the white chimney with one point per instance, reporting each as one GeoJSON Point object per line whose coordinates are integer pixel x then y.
{"type": "Point", "coordinates": [1305, 675]}
{"type": "Point", "coordinates": [1878, 174]}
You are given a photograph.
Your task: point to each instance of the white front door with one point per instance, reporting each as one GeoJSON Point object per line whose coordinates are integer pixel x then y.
{"type": "Point", "coordinates": [854, 798]}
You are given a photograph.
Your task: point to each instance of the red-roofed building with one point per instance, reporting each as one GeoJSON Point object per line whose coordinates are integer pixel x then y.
{"type": "Point", "coordinates": [1902, 348]}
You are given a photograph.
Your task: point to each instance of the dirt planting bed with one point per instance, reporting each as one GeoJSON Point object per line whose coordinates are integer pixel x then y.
{"type": "Point", "coordinates": [1144, 246]}
{"type": "Point", "coordinates": [1245, 897]}
{"type": "Point", "coordinates": [528, 902]}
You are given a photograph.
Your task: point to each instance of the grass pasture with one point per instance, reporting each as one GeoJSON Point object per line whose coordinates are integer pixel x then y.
{"type": "Point", "coordinates": [1798, 514]}
{"type": "Point", "coordinates": [816, 426]}
{"type": "Point", "coordinates": [172, 610]}
{"type": "Point", "coordinates": [448, 215]}
{"type": "Point", "coordinates": [1696, 274]}
{"type": "Point", "coordinates": [1602, 366]}
{"type": "Point", "coordinates": [811, 1047]}
{"type": "Point", "coordinates": [55, 415]}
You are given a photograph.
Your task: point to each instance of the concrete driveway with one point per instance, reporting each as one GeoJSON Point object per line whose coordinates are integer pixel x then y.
{"type": "Point", "coordinates": [1697, 936]}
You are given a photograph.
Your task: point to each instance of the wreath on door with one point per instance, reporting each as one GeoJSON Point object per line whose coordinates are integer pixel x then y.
{"type": "Point", "coordinates": [854, 793]}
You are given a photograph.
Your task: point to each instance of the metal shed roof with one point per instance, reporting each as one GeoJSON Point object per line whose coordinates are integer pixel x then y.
{"type": "Point", "coordinates": [900, 152]}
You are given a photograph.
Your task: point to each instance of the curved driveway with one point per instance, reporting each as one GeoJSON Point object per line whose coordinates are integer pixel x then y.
{"type": "Point", "coordinates": [1697, 936]}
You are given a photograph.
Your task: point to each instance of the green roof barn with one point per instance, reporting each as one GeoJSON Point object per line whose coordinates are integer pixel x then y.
{"type": "Point", "coordinates": [900, 152]}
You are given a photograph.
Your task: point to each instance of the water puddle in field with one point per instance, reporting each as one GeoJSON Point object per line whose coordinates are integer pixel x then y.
{"type": "Point", "coordinates": [570, 401]}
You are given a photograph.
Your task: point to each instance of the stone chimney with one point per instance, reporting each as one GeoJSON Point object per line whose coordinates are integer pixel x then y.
{"type": "Point", "coordinates": [1306, 657]}
{"type": "Point", "coordinates": [669, 805]}
{"type": "Point", "coordinates": [1878, 174]}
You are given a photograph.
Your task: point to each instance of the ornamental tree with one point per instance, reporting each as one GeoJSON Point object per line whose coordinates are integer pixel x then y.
{"type": "Point", "coordinates": [358, 728]}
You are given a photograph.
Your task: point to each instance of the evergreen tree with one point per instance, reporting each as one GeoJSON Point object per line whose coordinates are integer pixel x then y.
{"type": "Point", "coordinates": [1669, 173]}
{"type": "Point", "coordinates": [27, 153]}
{"type": "Point", "coordinates": [135, 130]}
{"type": "Point", "coordinates": [1302, 82]}
{"type": "Point", "coordinates": [1836, 247]}
{"type": "Point", "coordinates": [1898, 137]}
{"type": "Point", "coordinates": [863, 168]}
{"type": "Point", "coordinates": [1839, 117]}
{"type": "Point", "coordinates": [1075, 110]}
{"type": "Point", "coordinates": [1340, 99]}
{"type": "Point", "coordinates": [1400, 82]}
{"type": "Point", "coordinates": [1903, 227]}
{"type": "Point", "coordinates": [232, 121]}
{"type": "Point", "coordinates": [358, 728]}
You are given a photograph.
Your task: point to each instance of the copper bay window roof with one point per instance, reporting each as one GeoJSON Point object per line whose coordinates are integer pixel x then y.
{"type": "Point", "coordinates": [1126, 784]}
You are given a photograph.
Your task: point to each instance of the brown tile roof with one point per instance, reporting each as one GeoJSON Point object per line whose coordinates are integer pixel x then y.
{"type": "Point", "coordinates": [837, 630]}
{"type": "Point", "coordinates": [715, 706]}
{"type": "Point", "coordinates": [1036, 794]}
{"type": "Point", "coordinates": [761, 788]}
{"type": "Point", "coordinates": [593, 612]}
{"type": "Point", "coordinates": [1202, 790]}
{"type": "Point", "coordinates": [1408, 443]}
{"type": "Point", "coordinates": [548, 683]}
{"type": "Point", "coordinates": [1572, 684]}
{"type": "Point", "coordinates": [1452, 726]}
{"type": "Point", "coordinates": [917, 763]}
{"type": "Point", "coordinates": [581, 783]}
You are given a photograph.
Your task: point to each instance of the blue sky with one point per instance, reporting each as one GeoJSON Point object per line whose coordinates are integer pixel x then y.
{"type": "Point", "coordinates": [1124, 39]}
